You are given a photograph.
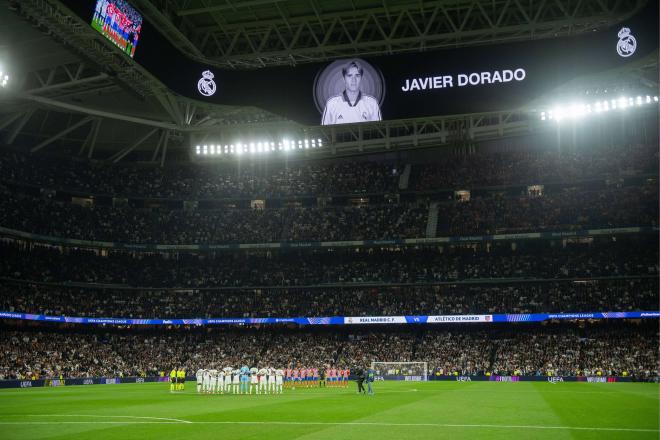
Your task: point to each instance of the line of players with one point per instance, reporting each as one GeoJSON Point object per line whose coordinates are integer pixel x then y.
{"type": "Point", "coordinates": [312, 377]}
{"type": "Point", "coordinates": [240, 381]}
{"type": "Point", "coordinates": [267, 380]}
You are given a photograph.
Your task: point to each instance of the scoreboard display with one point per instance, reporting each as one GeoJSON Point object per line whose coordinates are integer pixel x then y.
{"type": "Point", "coordinates": [119, 22]}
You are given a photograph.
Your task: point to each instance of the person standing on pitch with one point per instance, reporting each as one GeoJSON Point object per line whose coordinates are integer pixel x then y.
{"type": "Point", "coordinates": [173, 379]}
{"type": "Point", "coordinates": [371, 376]}
{"type": "Point", "coordinates": [360, 380]}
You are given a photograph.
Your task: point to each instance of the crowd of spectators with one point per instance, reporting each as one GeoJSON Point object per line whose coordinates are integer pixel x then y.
{"type": "Point", "coordinates": [621, 295]}
{"type": "Point", "coordinates": [128, 225]}
{"type": "Point", "coordinates": [202, 181]}
{"type": "Point", "coordinates": [568, 209]}
{"type": "Point", "coordinates": [535, 167]}
{"type": "Point", "coordinates": [595, 349]}
{"type": "Point", "coordinates": [599, 351]}
{"type": "Point", "coordinates": [604, 258]}
{"type": "Point", "coordinates": [299, 178]}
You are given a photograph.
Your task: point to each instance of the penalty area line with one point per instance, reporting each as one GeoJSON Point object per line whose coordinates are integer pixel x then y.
{"type": "Point", "coordinates": [162, 420]}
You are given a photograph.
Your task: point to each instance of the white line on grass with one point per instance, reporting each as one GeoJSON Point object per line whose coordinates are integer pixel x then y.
{"type": "Point", "coordinates": [109, 417]}
{"type": "Point", "coordinates": [161, 420]}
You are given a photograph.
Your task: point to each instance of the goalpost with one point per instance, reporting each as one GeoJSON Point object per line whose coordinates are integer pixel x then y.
{"type": "Point", "coordinates": [410, 371]}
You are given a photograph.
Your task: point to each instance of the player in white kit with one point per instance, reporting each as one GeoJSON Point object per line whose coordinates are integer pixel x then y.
{"type": "Point", "coordinates": [271, 380]}
{"type": "Point", "coordinates": [228, 371]}
{"type": "Point", "coordinates": [200, 376]}
{"type": "Point", "coordinates": [206, 381]}
{"type": "Point", "coordinates": [279, 380]}
{"type": "Point", "coordinates": [220, 384]}
{"type": "Point", "coordinates": [263, 377]}
{"type": "Point", "coordinates": [254, 380]}
{"type": "Point", "coordinates": [235, 381]}
{"type": "Point", "coordinates": [214, 381]}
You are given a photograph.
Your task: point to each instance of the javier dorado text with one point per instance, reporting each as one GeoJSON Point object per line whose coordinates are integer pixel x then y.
{"type": "Point", "coordinates": [463, 79]}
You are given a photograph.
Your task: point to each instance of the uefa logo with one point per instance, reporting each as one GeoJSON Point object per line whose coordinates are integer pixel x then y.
{"type": "Point", "coordinates": [206, 86]}
{"type": "Point", "coordinates": [627, 43]}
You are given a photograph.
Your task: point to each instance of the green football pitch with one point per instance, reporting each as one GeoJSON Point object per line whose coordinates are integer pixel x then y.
{"type": "Point", "coordinates": [398, 410]}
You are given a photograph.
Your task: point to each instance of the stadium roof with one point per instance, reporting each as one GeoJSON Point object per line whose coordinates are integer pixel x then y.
{"type": "Point", "coordinates": [258, 33]}
{"type": "Point", "coordinates": [72, 86]}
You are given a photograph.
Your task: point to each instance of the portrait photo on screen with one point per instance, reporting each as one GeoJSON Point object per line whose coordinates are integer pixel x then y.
{"type": "Point", "coordinates": [119, 22]}
{"type": "Point", "coordinates": [349, 91]}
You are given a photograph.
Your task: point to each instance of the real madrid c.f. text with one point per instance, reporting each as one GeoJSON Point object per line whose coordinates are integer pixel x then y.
{"type": "Point", "coordinates": [464, 80]}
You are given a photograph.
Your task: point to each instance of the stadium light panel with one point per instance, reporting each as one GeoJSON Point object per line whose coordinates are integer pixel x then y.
{"type": "Point", "coordinates": [212, 149]}
{"type": "Point", "coordinates": [575, 110]}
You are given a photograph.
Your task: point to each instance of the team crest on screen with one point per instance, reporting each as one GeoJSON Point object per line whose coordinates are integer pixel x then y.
{"type": "Point", "coordinates": [206, 86]}
{"type": "Point", "coordinates": [627, 43]}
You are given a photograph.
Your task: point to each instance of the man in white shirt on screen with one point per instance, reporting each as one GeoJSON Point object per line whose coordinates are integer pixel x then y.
{"type": "Point", "coordinates": [352, 105]}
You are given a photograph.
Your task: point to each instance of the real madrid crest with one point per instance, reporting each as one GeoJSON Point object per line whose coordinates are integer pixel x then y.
{"type": "Point", "coordinates": [627, 43]}
{"type": "Point", "coordinates": [206, 85]}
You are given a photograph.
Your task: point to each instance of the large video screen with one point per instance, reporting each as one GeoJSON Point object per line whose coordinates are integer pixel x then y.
{"type": "Point", "coordinates": [119, 23]}
{"type": "Point", "coordinates": [359, 89]}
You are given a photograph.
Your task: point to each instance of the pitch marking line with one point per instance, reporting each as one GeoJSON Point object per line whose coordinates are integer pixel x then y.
{"type": "Point", "coordinates": [162, 420]}
{"type": "Point", "coordinates": [156, 419]}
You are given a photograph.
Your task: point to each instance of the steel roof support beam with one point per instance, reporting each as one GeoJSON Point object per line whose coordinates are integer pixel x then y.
{"type": "Point", "coordinates": [19, 126]}
{"type": "Point", "coordinates": [121, 154]}
{"type": "Point", "coordinates": [165, 142]}
{"type": "Point", "coordinates": [10, 120]}
{"type": "Point", "coordinates": [60, 134]}
{"type": "Point", "coordinates": [94, 112]}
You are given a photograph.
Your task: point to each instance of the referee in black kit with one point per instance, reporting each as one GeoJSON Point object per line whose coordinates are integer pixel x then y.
{"type": "Point", "coordinates": [360, 379]}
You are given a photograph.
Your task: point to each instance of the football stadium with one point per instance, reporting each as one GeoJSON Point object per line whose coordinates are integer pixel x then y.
{"type": "Point", "coordinates": [315, 219]}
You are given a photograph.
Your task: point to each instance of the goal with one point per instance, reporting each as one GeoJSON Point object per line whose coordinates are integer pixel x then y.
{"type": "Point", "coordinates": [411, 371]}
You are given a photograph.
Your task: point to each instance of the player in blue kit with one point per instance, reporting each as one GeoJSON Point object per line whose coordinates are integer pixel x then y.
{"type": "Point", "coordinates": [245, 378]}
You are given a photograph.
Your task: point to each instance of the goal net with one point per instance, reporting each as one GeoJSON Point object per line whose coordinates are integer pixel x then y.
{"type": "Point", "coordinates": [413, 371]}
